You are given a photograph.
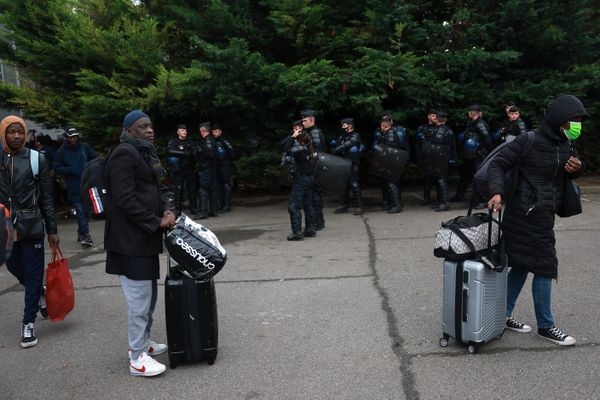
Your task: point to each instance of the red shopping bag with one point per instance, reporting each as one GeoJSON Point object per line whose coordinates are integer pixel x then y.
{"type": "Point", "coordinates": [60, 293]}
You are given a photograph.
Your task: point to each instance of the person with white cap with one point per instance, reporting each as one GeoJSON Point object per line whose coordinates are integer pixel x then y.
{"type": "Point", "coordinates": [71, 157]}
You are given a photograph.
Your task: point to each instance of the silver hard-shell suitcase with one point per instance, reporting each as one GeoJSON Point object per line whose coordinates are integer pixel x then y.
{"type": "Point", "coordinates": [474, 309]}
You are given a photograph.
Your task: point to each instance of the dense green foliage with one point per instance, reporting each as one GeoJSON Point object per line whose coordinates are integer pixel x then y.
{"type": "Point", "coordinates": [252, 65]}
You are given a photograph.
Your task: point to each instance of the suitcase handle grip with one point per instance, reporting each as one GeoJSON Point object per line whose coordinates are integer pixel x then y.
{"type": "Point", "coordinates": [465, 296]}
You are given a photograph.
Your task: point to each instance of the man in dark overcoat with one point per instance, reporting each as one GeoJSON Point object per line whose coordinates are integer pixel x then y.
{"type": "Point", "coordinates": [133, 234]}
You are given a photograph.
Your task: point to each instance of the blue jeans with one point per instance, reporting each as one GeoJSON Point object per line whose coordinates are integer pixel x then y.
{"type": "Point", "coordinates": [83, 228]}
{"type": "Point", "coordinates": [26, 263]}
{"type": "Point", "coordinates": [542, 296]}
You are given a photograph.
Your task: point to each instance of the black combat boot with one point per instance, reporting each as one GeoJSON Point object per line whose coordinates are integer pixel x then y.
{"type": "Point", "coordinates": [443, 191]}
{"type": "Point", "coordinates": [226, 199]}
{"type": "Point", "coordinates": [203, 214]}
{"type": "Point", "coordinates": [394, 194]}
{"type": "Point", "coordinates": [357, 197]}
{"type": "Point", "coordinates": [426, 192]}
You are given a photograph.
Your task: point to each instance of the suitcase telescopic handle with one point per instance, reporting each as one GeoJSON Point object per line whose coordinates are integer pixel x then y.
{"type": "Point", "coordinates": [465, 301]}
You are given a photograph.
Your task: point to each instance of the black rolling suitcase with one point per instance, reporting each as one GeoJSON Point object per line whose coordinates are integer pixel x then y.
{"type": "Point", "coordinates": [191, 314]}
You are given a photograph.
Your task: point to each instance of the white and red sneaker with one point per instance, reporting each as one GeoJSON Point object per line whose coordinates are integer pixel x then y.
{"type": "Point", "coordinates": [154, 348]}
{"type": "Point", "coordinates": [145, 366]}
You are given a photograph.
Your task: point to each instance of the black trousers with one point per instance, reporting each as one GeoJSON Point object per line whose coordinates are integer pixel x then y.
{"type": "Point", "coordinates": [301, 198]}
{"type": "Point", "coordinates": [209, 190]}
{"type": "Point", "coordinates": [185, 181]}
{"type": "Point", "coordinates": [224, 185]}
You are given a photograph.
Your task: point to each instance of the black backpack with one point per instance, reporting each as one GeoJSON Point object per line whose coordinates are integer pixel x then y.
{"type": "Point", "coordinates": [511, 176]}
{"type": "Point", "coordinates": [94, 190]}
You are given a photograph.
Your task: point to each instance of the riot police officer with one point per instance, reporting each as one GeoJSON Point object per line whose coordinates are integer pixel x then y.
{"type": "Point", "coordinates": [394, 137]}
{"type": "Point", "coordinates": [318, 144]}
{"type": "Point", "coordinates": [224, 166]}
{"type": "Point", "coordinates": [476, 146]}
{"type": "Point", "coordinates": [514, 125]}
{"type": "Point", "coordinates": [301, 168]}
{"type": "Point", "coordinates": [206, 154]}
{"type": "Point", "coordinates": [424, 134]}
{"type": "Point", "coordinates": [348, 145]}
{"type": "Point", "coordinates": [445, 154]}
{"type": "Point", "coordinates": [182, 168]}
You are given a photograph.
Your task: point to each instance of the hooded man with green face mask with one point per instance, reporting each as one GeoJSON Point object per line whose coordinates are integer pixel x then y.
{"type": "Point", "coordinates": [528, 223]}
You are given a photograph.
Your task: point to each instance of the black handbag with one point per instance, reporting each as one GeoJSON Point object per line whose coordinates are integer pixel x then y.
{"type": "Point", "coordinates": [571, 200]}
{"type": "Point", "coordinates": [29, 224]}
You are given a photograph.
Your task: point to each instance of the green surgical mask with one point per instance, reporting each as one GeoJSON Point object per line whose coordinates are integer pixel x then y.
{"type": "Point", "coordinates": [574, 130]}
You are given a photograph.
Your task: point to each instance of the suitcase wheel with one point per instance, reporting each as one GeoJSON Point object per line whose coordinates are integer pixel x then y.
{"type": "Point", "coordinates": [472, 349]}
{"type": "Point", "coordinates": [444, 341]}
{"type": "Point", "coordinates": [211, 359]}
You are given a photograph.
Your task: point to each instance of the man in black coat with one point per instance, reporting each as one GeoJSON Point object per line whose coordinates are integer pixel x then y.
{"type": "Point", "coordinates": [133, 234]}
{"type": "Point", "coordinates": [528, 222]}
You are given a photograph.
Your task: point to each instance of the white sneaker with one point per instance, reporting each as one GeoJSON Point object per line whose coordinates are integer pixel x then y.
{"type": "Point", "coordinates": [145, 366]}
{"type": "Point", "coordinates": [154, 348]}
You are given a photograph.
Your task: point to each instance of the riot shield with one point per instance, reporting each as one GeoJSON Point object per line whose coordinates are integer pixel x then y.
{"type": "Point", "coordinates": [388, 162]}
{"type": "Point", "coordinates": [332, 172]}
{"type": "Point", "coordinates": [434, 159]}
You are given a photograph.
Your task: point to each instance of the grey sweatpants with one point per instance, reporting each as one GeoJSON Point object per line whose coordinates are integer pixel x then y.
{"type": "Point", "coordinates": [141, 299]}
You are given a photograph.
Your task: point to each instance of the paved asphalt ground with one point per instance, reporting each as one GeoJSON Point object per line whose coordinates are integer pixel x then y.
{"type": "Point", "coordinates": [352, 314]}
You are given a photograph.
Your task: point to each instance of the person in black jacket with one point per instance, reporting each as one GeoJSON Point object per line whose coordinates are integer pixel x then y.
{"type": "Point", "coordinates": [348, 145]}
{"type": "Point", "coordinates": [225, 157]}
{"type": "Point", "coordinates": [424, 135]}
{"type": "Point", "coordinates": [514, 125]}
{"type": "Point", "coordinates": [133, 234]}
{"type": "Point", "coordinates": [389, 136]}
{"type": "Point", "coordinates": [206, 154]}
{"type": "Point", "coordinates": [528, 222]}
{"type": "Point", "coordinates": [182, 168]}
{"type": "Point", "coordinates": [71, 157]}
{"type": "Point", "coordinates": [443, 138]}
{"type": "Point", "coordinates": [318, 144]}
{"type": "Point", "coordinates": [21, 190]}
{"type": "Point", "coordinates": [301, 169]}
{"type": "Point", "coordinates": [477, 144]}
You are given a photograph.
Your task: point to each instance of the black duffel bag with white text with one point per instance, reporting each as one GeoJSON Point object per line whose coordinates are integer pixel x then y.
{"type": "Point", "coordinates": [195, 249]}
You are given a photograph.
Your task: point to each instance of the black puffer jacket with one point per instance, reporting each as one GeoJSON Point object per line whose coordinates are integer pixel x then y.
{"type": "Point", "coordinates": [529, 216]}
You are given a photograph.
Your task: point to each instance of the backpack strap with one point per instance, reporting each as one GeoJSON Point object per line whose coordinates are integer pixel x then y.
{"type": "Point", "coordinates": [34, 161]}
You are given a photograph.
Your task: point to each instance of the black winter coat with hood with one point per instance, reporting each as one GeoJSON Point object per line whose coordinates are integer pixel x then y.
{"type": "Point", "coordinates": [528, 221]}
